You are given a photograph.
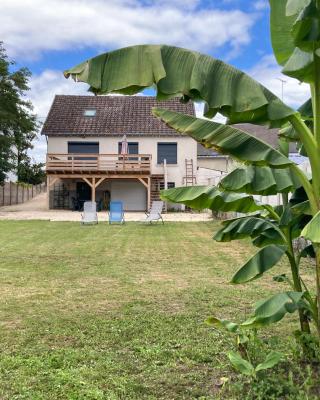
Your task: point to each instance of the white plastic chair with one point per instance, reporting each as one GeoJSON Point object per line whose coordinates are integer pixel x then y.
{"type": "Point", "coordinates": [89, 215]}
{"type": "Point", "coordinates": [154, 214]}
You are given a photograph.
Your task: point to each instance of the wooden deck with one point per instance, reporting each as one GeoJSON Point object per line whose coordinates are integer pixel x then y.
{"type": "Point", "coordinates": [110, 164]}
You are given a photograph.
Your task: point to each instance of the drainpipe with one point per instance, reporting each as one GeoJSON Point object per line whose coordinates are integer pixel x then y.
{"type": "Point", "coordinates": [165, 173]}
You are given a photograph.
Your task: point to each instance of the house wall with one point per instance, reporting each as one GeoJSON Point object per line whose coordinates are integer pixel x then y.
{"type": "Point", "coordinates": [130, 191]}
{"type": "Point", "coordinates": [186, 149]}
{"type": "Point", "coordinates": [215, 163]}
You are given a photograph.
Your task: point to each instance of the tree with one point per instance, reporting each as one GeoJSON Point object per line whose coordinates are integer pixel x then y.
{"type": "Point", "coordinates": [31, 172]}
{"type": "Point", "coordinates": [18, 125]}
{"type": "Point", "coordinates": [295, 33]}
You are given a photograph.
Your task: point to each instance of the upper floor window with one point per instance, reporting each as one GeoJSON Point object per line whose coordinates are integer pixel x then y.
{"type": "Point", "coordinates": [83, 147]}
{"type": "Point", "coordinates": [168, 152]}
{"type": "Point", "coordinates": [90, 112]}
{"type": "Point", "coordinates": [133, 147]}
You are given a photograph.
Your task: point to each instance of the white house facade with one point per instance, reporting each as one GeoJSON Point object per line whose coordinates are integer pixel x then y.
{"type": "Point", "coordinates": [84, 160]}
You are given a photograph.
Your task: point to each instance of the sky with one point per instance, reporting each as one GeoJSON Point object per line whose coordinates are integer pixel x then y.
{"type": "Point", "coordinates": [49, 36]}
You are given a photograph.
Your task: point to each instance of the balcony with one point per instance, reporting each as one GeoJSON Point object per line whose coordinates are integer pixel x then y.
{"type": "Point", "coordinates": [100, 164]}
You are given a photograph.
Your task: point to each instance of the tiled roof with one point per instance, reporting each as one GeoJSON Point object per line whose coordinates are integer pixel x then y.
{"type": "Point", "coordinates": [115, 115]}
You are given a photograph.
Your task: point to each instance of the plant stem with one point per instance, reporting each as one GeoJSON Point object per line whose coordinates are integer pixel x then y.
{"type": "Point", "coordinates": [315, 91]}
{"type": "Point", "coordinates": [307, 187]}
{"type": "Point", "coordinates": [304, 323]}
{"type": "Point", "coordinates": [317, 250]}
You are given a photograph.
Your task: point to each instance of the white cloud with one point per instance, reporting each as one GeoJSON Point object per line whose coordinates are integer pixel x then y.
{"type": "Point", "coordinates": [43, 88]}
{"type": "Point", "coordinates": [267, 72]}
{"type": "Point", "coordinates": [46, 85]}
{"type": "Point", "coordinates": [261, 5]}
{"type": "Point", "coordinates": [29, 27]}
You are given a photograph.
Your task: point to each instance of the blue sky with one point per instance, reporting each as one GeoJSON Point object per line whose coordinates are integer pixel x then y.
{"type": "Point", "coordinates": [49, 36]}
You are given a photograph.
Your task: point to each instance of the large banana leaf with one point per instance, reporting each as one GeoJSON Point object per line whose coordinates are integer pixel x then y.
{"type": "Point", "coordinates": [260, 180]}
{"type": "Point", "coordinates": [312, 230]}
{"type": "Point", "coordinates": [294, 34]}
{"type": "Point", "coordinates": [183, 73]}
{"type": "Point", "coordinates": [257, 265]}
{"type": "Point", "coordinates": [280, 26]}
{"type": "Point", "coordinates": [274, 309]}
{"type": "Point", "coordinates": [202, 197]}
{"type": "Point", "coordinates": [224, 139]}
{"type": "Point", "coordinates": [248, 226]}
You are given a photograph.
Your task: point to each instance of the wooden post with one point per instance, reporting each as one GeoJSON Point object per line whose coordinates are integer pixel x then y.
{"type": "Point", "coordinates": [48, 192]}
{"type": "Point", "coordinates": [93, 189]}
{"type": "Point", "coordinates": [149, 193]}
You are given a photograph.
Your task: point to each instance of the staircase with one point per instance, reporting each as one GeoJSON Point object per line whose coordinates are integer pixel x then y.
{"type": "Point", "coordinates": [189, 178]}
{"type": "Point", "coordinates": [157, 183]}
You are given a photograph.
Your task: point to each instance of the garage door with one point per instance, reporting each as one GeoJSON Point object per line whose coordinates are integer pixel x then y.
{"type": "Point", "coordinates": [132, 194]}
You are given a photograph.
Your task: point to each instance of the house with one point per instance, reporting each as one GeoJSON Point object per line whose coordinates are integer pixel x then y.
{"type": "Point", "coordinates": [84, 160]}
{"type": "Point", "coordinates": [84, 141]}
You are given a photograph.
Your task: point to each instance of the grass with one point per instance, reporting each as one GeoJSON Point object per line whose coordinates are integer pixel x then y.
{"type": "Point", "coordinates": [116, 312]}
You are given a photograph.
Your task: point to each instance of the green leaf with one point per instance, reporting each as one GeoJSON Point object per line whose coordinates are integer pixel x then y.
{"type": "Point", "coordinates": [305, 29]}
{"type": "Point", "coordinates": [267, 237]}
{"type": "Point", "coordinates": [283, 279]}
{"type": "Point", "coordinates": [224, 139]}
{"type": "Point", "coordinates": [202, 197]}
{"type": "Point", "coordinates": [280, 26]}
{"type": "Point", "coordinates": [306, 109]}
{"type": "Point", "coordinates": [223, 323]}
{"type": "Point", "coordinates": [248, 226]}
{"type": "Point", "coordinates": [260, 180]}
{"type": "Point", "coordinates": [274, 309]}
{"type": "Point", "coordinates": [312, 230]}
{"type": "Point", "coordinates": [261, 262]}
{"type": "Point", "coordinates": [294, 34]}
{"type": "Point", "coordinates": [178, 72]}
{"type": "Point", "coordinates": [240, 364]}
{"type": "Point", "coordinates": [271, 360]}
{"type": "Point", "coordinates": [300, 66]}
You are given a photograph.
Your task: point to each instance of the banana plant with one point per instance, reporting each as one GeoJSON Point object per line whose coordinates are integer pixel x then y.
{"type": "Point", "coordinates": [272, 230]}
{"type": "Point", "coordinates": [177, 72]}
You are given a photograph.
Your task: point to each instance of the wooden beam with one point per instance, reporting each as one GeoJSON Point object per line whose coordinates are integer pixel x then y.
{"type": "Point", "coordinates": [98, 176]}
{"type": "Point", "coordinates": [143, 182]}
{"type": "Point", "coordinates": [87, 181]}
{"type": "Point", "coordinates": [100, 181]}
{"type": "Point", "coordinates": [51, 183]}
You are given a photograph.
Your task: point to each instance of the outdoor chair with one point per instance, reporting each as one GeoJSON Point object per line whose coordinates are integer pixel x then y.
{"type": "Point", "coordinates": [154, 214]}
{"type": "Point", "coordinates": [116, 213]}
{"type": "Point", "coordinates": [89, 215]}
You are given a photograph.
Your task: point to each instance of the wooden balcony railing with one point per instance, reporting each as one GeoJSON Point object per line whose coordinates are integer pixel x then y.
{"type": "Point", "coordinates": [99, 163]}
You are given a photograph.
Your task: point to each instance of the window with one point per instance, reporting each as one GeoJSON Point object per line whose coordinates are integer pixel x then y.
{"type": "Point", "coordinates": [170, 185]}
{"type": "Point", "coordinates": [167, 151]}
{"type": "Point", "coordinates": [133, 147]}
{"type": "Point", "coordinates": [83, 147]}
{"type": "Point", "coordinates": [90, 112]}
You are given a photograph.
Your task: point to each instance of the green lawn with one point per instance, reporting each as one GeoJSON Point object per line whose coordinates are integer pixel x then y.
{"type": "Point", "coordinates": [116, 312]}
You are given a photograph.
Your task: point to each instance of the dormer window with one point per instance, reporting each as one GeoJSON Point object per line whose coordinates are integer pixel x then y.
{"type": "Point", "coordinates": [90, 112]}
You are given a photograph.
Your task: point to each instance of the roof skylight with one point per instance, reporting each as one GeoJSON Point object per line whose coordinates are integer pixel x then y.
{"type": "Point", "coordinates": [90, 112]}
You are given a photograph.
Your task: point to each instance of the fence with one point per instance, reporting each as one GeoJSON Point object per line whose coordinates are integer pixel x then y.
{"type": "Point", "coordinates": [15, 193]}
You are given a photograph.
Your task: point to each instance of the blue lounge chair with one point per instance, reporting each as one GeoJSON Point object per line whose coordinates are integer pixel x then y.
{"type": "Point", "coordinates": [116, 212]}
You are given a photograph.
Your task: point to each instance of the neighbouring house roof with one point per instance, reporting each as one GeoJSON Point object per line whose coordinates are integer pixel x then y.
{"type": "Point", "coordinates": [269, 136]}
{"type": "Point", "coordinates": [115, 115]}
